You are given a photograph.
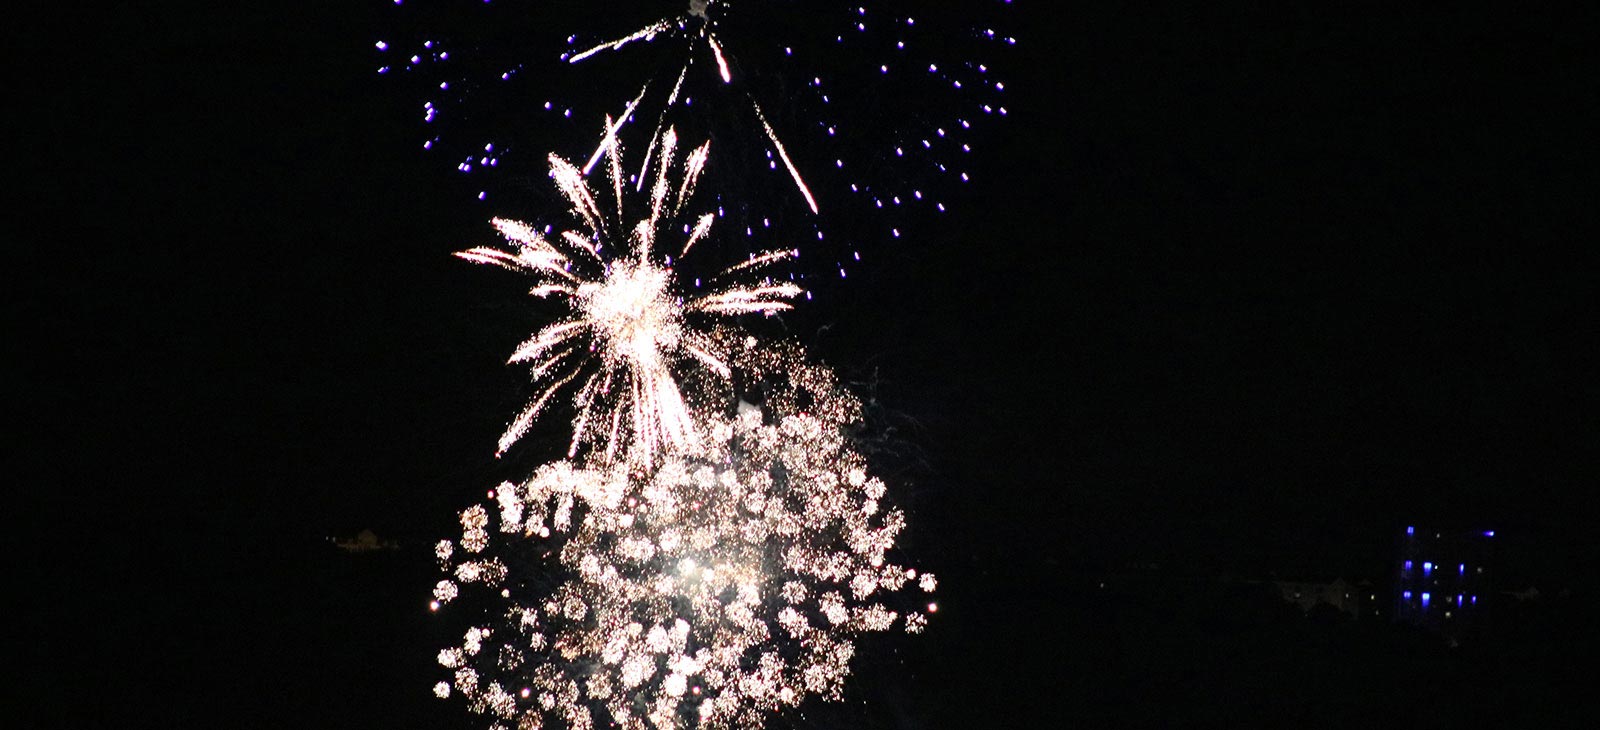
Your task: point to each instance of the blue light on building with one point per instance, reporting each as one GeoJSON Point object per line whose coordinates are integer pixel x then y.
{"type": "Point", "coordinates": [1425, 554]}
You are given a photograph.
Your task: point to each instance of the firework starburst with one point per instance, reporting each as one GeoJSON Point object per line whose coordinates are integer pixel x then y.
{"type": "Point", "coordinates": [721, 587]}
{"type": "Point", "coordinates": [632, 328]}
{"type": "Point", "coordinates": [841, 108]}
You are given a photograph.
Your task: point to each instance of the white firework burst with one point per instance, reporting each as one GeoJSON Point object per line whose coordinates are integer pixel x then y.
{"type": "Point", "coordinates": [718, 589]}
{"type": "Point", "coordinates": [632, 328]}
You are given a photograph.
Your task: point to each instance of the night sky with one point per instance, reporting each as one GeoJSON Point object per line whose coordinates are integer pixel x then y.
{"type": "Point", "coordinates": [1235, 292]}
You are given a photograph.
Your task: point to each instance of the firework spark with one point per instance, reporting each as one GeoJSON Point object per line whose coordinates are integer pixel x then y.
{"type": "Point", "coordinates": [631, 327]}
{"type": "Point", "coordinates": [844, 108]}
{"type": "Point", "coordinates": [723, 586]}
{"type": "Point", "coordinates": [698, 27]}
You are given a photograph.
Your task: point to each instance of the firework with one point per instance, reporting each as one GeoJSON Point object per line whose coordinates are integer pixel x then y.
{"type": "Point", "coordinates": [698, 28]}
{"type": "Point", "coordinates": [828, 107]}
{"type": "Point", "coordinates": [633, 333]}
{"type": "Point", "coordinates": [713, 545]}
{"type": "Point", "coordinates": [719, 588]}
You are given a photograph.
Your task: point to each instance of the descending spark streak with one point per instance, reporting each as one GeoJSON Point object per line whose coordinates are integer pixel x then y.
{"type": "Point", "coordinates": [545, 290]}
{"type": "Point", "coordinates": [678, 87]}
{"type": "Point", "coordinates": [524, 420]}
{"type": "Point", "coordinates": [581, 425]}
{"type": "Point", "coordinates": [570, 182]}
{"type": "Point", "coordinates": [695, 165]}
{"type": "Point", "coordinates": [616, 166]}
{"type": "Point", "coordinates": [661, 121]}
{"type": "Point", "coordinates": [717, 366]}
{"type": "Point", "coordinates": [749, 300]}
{"type": "Point", "coordinates": [610, 137]}
{"type": "Point", "coordinates": [762, 260]}
{"type": "Point", "coordinates": [658, 194]}
{"type": "Point", "coordinates": [784, 154]}
{"type": "Point", "coordinates": [526, 263]}
{"type": "Point", "coordinates": [581, 243]}
{"type": "Point", "coordinates": [646, 33]}
{"type": "Point", "coordinates": [701, 228]}
{"type": "Point", "coordinates": [627, 312]}
{"type": "Point", "coordinates": [722, 63]}
{"type": "Point", "coordinates": [544, 340]}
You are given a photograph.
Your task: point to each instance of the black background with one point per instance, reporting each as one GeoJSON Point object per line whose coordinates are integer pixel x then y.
{"type": "Point", "coordinates": [1239, 292]}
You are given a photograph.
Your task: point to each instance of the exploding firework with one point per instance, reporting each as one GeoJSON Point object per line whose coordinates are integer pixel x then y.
{"type": "Point", "coordinates": [841, 108]}
{"type": "Point", "coordinates": [723, 586]}
{"type": "Point", "coordinates": [634, 334]}
{"type": "Point", "coordinates": [699, 27]}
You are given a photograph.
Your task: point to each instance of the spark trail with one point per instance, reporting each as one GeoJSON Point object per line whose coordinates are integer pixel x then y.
{"type": "Point", "coordinates": [632, 329]}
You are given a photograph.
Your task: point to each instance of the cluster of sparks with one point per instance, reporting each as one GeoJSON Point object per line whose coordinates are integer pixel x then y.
{"type": "Point", "coordinates": [712, 546]}
{"type": "Point", "coordinates": [632, 328]}
{"type": "Point", "coordinates": [698, 26]}
{"type": "Point", "coordinates": [838, 139]}
{"type": "Point", "coordinates": [722, 586]}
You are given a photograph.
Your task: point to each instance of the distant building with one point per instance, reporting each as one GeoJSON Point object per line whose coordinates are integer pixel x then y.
{"type": "Point", "coordinates": [1443, 579]}
{"type": "Point", "coordinates": [365, 541]}
{"type": "Point", "coordinates": [1348, 597]}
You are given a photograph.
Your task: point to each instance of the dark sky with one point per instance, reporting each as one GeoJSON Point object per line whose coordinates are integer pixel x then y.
{"type": "Point", "coordinates": [1237, 291]}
